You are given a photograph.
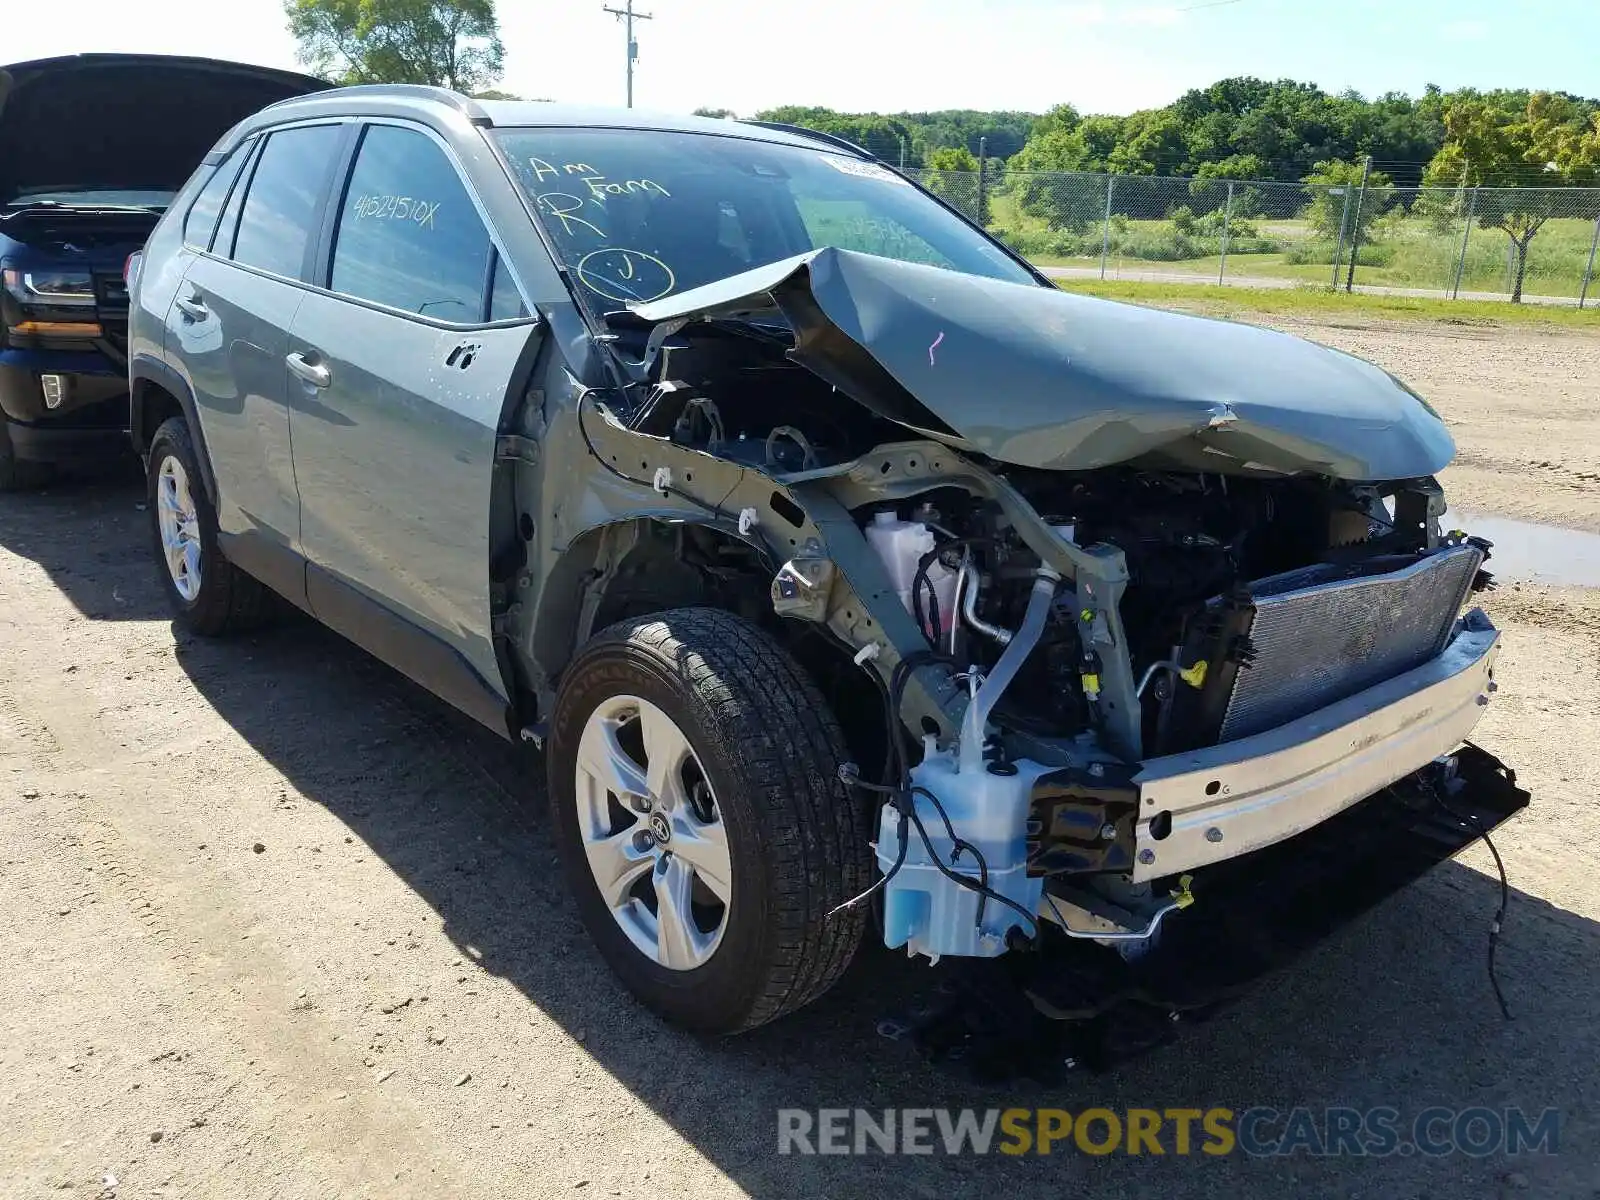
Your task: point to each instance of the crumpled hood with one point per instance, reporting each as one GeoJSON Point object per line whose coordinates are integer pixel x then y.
{"type": "Point", "coordinates": [125, 120]}
{"type": "Point", "coordinates": [1039, 377]}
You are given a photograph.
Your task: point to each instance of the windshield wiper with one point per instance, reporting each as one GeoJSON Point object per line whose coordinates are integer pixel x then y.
{"type": "Point", "coordinates": [23, 206]}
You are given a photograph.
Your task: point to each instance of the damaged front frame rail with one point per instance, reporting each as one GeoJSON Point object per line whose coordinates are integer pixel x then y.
{"type": "Point", "coordinates": [832, 577]}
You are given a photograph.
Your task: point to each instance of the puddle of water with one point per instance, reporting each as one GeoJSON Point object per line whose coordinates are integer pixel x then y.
{"type": "Point", "coordinates": [1526, 552]}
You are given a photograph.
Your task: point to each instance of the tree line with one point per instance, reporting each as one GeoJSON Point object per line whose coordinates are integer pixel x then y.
{"type": "Point", "coordinates": [1241, 128]}
{"type": "Point", "coordinates": [1514, 143]}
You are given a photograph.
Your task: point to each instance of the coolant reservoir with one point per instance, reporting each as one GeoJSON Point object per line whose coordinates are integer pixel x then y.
{"type": "Point", "coordinates": [901, 545]}
{"type": "Point", "coordinates": [925, 910]}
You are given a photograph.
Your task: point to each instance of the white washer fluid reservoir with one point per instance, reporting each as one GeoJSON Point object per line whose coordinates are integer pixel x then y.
{"type": "Point", "coordinates": [925, 910]}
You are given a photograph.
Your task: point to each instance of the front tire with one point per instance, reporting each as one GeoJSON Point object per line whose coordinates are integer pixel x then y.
{"type": "Point", "coordinates": [696, 799]}
{"type": "Point", "coordinates": [209, 595]}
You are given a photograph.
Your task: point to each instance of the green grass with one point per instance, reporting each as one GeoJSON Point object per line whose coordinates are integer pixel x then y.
{"type": "Point", "coordinates": [1406, 250]}
{"type": "Point", "coordinates": [1325, 305]}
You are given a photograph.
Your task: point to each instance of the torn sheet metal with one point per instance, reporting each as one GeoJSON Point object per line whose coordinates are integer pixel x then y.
{"type": "Point", "coordinates": [1038, 377]}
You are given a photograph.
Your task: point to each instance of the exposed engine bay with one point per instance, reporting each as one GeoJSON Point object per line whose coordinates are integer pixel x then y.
{"type": "Point", "coordinates": [1106, 684]}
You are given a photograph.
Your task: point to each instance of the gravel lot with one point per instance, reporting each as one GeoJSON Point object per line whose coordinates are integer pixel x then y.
{"type": "Point", "coordinates": [275, 924]}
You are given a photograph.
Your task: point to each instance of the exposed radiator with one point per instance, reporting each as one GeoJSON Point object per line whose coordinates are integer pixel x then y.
{"type": "Point", "coordinates": [1317, 644]}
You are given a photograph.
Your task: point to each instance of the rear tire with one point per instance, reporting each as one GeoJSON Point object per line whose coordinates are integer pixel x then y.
{"type": "Point", "coordinates": [19, 476]}
{"type": "Point", "coordinates": [209, 595]}
{"type": "Point", "coordinates": [764, 752]}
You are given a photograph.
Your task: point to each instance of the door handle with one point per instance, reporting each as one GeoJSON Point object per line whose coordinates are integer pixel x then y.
{"type": "Point", "coordinates": [317, 375]}
{"type": "Point", "coordinates": [192, 307]}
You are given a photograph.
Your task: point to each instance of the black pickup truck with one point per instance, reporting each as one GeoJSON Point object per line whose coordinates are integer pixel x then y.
{"type": "Point", "coordinates": [92, 149]}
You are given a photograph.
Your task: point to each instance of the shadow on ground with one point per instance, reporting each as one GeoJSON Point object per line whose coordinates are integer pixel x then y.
{"type": "Point", "coordinates": [90, 534]}
{"type": "Point", "coordinates": [1395, 1010]}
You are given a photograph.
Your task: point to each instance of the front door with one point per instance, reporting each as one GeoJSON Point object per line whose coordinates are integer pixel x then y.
{"type": "Point", "coordinates": [398, 385]}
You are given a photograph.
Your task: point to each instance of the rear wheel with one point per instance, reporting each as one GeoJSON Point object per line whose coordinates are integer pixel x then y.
{"type": "Point", "coordinates": [209, 594]}
{"type": "Point", "coordinates": [698, 808]}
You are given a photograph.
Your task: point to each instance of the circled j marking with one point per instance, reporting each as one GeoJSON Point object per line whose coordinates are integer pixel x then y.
{"type": "Point", "coordinates": [633, 265]}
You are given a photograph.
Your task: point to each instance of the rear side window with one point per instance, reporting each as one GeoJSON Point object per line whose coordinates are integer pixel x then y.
{"type": "Point", "coordinates": [201, 223]}
{"type": "Point", "coordinates": [279, 216]}
{"type": "Point", "coordinates": [409, 236]}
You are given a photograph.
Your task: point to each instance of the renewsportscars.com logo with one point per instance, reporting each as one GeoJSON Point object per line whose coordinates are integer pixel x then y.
{"type": "Point", "coordinates": [1257, 1132]}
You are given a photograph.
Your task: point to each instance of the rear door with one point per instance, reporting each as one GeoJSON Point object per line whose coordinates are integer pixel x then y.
{"type": "Point", "coordinates": [400, 373]}
{"type": "Point", "coordinates": [229, 325]}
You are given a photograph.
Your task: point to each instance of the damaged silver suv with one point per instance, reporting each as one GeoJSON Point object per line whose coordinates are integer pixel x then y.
{"type": "Point", "coordinates": [850, 574]}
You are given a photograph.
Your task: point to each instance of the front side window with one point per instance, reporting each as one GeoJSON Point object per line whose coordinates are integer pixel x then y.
{"type": "Point", "coordinates": [636, 215]}
{"type": "Point", "coordinates": [201, 223]}
{"type": "Point", "coordinates": [505, 301]}
{"type": "Point", "coordinates": [409, 236]}
{"type": "Point", "coordinates": [278, 220]}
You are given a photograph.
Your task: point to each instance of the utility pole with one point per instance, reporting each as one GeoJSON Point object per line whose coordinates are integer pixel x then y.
{"type": "Point", "coordinates": [627, 16]}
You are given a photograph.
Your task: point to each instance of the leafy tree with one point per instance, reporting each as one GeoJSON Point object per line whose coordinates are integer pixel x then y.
{"type": "Point", "coordinates": [952, 158]}
{"type": "Point", "coordinates": [880, 135]}
{"type": "Point", "coordinates": [1516, 156]}
{"type": "Point", "coordinates": [952, 173]}
{"type": "Point", "coordinates": [1063, 141]}
{"type": "Point", "coordinates": [1210, 184]}
{"type": "Point", "coordinates": [1328, 213]}
{"type": "Point", "coordinates": [998, 134]}
{"type": "Point", "coordinates": [447, 43]}
{"type": "Point", "coordinates": [1235, 166]}
{"type": "Point", "coordinates": [1150, 143]}
{"type": "Point", "coordinates": [719, 113]}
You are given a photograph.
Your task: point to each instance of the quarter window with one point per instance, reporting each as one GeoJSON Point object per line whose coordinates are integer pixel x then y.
{"type": "Point", "coordinates": [505, 302]}
{"type": "Point", "coordinates": [279, 217]}
{"type": "Point", "coordinates": [409, 236]}
{"type": "Point", "coordinates": [201, 222]}
{"type": "Point", "coordinates": [222, 240]}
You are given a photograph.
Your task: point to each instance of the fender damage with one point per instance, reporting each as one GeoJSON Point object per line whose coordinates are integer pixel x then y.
{"type": "Point", "coordinates": [1039, 377]}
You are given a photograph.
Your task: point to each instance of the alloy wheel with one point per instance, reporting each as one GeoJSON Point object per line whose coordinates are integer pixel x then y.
{"type": "Point", "coordinates": [179, 524]}
{"type": "Point", "coordinates": [653, 834]}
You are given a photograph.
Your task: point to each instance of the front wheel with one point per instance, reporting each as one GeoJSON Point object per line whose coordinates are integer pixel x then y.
{"type": "Point", "coordinates": [694, 783]}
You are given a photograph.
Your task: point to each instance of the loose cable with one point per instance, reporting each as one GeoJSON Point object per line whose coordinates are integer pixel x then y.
{"type": "Point", "coordinates": [1498, 923]}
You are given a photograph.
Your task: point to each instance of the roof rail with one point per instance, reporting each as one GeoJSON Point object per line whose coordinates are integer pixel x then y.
{"type": "Point", "coordinates": [816, 135]}
{"type": "Point", "coordinates": [464, 105]}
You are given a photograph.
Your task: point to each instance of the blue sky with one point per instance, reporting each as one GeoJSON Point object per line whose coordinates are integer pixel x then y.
{"type": "Point", "coordinates": [1100, 55]}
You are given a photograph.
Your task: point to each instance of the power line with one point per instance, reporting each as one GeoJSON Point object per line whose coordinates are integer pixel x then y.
{"type": "Point", "coordinates": [628, 17]}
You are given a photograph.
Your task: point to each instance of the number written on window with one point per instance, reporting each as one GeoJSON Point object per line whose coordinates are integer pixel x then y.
{"type": "Point", "coordinates": [409, 236]}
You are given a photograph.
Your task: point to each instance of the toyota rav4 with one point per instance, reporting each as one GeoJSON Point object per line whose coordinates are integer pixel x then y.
{"type": "Point", "coordinates": [848, 572]}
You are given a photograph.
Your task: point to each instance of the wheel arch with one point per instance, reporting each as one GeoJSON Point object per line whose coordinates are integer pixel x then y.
{"type": "Point", "coordinates": [156, 393]}
{"type": "Point", "coordinates": [630, 567]}
{"type": "Point", "coordinates": [637, 566]}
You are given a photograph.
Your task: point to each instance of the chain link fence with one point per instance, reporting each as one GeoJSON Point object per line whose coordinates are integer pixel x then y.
{"type": "Point", "coordinates": [1533, 244]}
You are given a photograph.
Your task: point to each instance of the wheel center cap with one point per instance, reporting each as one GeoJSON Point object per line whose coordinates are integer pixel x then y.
{"type": "Point", "coordinates": [660, 828]}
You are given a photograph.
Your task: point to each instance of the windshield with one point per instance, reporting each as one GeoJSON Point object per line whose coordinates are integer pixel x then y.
{"type": "Point", "coordinates": [640, 214]}
{"type": "Point", "coordinates": [95, 197]}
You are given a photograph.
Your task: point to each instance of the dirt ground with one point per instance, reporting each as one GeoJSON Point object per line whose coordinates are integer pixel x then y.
{"type": "Point", "coordinates": [274, 924]}
{"type": "Point", "coordinates": [1524, 407]}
